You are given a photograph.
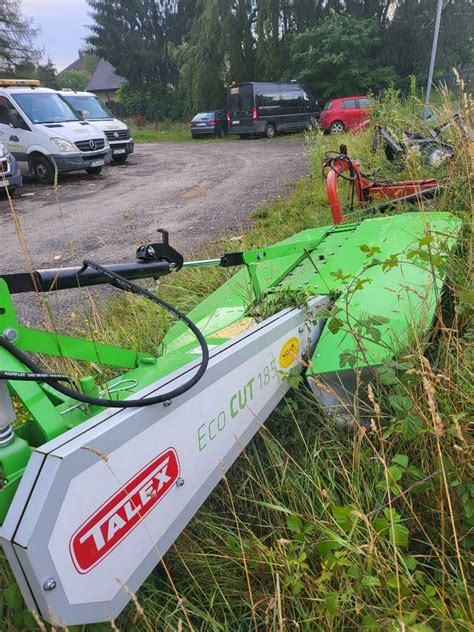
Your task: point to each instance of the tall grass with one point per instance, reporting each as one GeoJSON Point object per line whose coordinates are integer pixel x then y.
{"type": "Point", "coordinates": [315, 528]}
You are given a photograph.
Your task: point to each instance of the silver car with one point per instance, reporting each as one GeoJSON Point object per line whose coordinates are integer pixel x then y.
{"type": "Point", "coordinates": [10, 174]}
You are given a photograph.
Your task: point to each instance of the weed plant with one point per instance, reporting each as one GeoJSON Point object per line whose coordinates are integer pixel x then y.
{"type": "Point", "coordinates": [315, 528]}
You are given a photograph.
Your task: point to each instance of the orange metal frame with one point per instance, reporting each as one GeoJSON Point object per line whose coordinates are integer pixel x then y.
{"type": "Point", "coordinates": [367, 190]}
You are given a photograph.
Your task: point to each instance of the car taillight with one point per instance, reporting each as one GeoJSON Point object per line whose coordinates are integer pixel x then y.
{"type": "Point", "coordinates": [228, 116]}
{"type": "Point", "coordinates": [212, 122]}
{"type": "Point", "coordinates": [254, 113]}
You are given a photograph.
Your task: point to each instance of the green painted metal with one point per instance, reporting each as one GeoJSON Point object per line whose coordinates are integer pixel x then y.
{"type": "Point", "coordinates": [380, 267]}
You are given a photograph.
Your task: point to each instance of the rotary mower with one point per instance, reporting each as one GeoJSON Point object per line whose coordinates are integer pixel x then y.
{"type": "Point", "coordinates": [100, 480]}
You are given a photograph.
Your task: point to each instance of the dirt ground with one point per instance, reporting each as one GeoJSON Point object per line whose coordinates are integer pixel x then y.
{"type": "Point", "coordinates": [197, 191]}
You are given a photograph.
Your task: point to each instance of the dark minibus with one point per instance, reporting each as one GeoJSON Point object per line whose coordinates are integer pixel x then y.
{"type": "Point", "coordinates": [267, 108]}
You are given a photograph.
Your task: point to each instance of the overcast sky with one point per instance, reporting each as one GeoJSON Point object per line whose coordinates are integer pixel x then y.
{"type": "Point", "coordinates": [63, 27]}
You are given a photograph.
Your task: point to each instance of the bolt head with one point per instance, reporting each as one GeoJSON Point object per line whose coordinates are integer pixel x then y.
{"type": "Point", "coordinates": [167, 403]}
{"type": "Point", "coordinates": [179, 482]}
{"type": "Point", "coordinates": [50, 584]}
{"type": "Point", "coordinates": [10, 334]}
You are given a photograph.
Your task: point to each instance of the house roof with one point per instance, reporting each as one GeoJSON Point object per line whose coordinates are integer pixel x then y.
{"type": "Point", "coordinates": [104, 77]}
{"type": "Point", "coordinates": [78, 65]}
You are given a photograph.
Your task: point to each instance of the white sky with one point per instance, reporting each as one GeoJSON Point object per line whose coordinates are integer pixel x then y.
{"type": "Point", "coordinates": [63, 27]}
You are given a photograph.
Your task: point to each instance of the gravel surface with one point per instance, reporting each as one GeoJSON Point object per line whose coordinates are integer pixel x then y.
{"type": "Point", "coordinates": [196, 190]}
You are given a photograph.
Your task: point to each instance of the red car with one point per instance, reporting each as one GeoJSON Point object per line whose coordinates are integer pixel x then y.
{"type": "Point", "coordinates": [341, 114]}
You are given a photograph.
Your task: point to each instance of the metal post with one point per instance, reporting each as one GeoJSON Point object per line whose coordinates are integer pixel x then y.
{"type": "Point", "coordinates": [426, 108]}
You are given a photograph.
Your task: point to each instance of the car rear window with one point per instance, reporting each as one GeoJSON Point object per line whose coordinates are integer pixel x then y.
{"type": "Point", "coordinates": [364, 103]}
{"type": "Point", "coordinates": [204, 116]}
{"type": "Point", "coordinates": [240, 102]}
{"type": "Point", "coordinates": [328, 105]}
{"type": "Point", "coordinates": [348, 104]}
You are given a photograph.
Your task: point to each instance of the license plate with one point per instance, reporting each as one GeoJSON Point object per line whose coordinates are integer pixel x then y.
{"type": "Point", "coordinates": [235, 122]}
{"type": "Point", "coordinates": [201, 124]}
{"type": "Point", "coordinates": [97, 163]}
{"type": "Point", "coordinates": [119, 151]}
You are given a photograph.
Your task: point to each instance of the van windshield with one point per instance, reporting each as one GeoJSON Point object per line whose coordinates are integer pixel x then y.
{"type": "Point", "coordinates": [89, 107]}
{"type": "Point", "coordinates": [45, 107]}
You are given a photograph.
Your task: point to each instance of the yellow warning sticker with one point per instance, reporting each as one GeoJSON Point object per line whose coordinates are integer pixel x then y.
{"type": "Point", "coordinates": [289, 352]}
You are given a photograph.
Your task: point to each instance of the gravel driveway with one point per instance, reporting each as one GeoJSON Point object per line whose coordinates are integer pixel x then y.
{"type": "Point", "coordinates": [195, 190]}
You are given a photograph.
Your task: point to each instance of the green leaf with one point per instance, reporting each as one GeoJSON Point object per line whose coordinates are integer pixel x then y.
{"type": "Point", "coordinates": [425, 240]}
{"type": "Point", "coordinates": [399, 535]}
{"type": "Point", "coordinates": [294, 523]}
{"type": "Point", "coordinates": [395, 472]}
{"type": "Point", "coordinates": [332, 603]}
{"type": "Point", "coordinates": [335, 324]}
{"type": "Point", "coordinates": [387, 376]}
{"type": "Point", "coordinates": [401, 403]}
{"type": "Point", "coordinates": [343, 517]}
{"type": "Point", "coordinates": [369, 581]}
{"type": "Point", "coordinates": [401, 459]}
{"type": "Point", "coordinates": [412, 427]}
{"type": "Point", "coordinates": [13, 597]}
{"type": "Point", "coordinates": [327, 546]}
{"type": "Point", "coordinates": [410, 562]}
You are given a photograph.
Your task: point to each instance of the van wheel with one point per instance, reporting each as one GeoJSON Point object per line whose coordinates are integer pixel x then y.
{"type": "Point", "coordinates": [270, 131]}
{"type": "Point", "coordinates": [337, 127]}
{"type": "Point", "coordinates": [120, 159]}
{"type": "Point", "coordinates": [94, 170]}
{"type": "Point", "coordinates": [43, 170]}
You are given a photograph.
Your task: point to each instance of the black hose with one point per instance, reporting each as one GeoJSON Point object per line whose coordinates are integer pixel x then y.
{"type": "Point", "coordinates": [127, 286]}
{"type": "Point", "coordinates": [329, 161]}
{"type": "Point", "coordinates": [19, 376]}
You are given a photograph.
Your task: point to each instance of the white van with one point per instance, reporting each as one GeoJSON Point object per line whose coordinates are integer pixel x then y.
{"type": "Point", "coordinates": [45, 134]}
{"type": "Point", "coordinates": [93, 110]}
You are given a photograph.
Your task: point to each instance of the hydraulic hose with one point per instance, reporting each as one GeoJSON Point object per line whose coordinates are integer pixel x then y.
{"type": "Point", "coordinates": [53, 379]}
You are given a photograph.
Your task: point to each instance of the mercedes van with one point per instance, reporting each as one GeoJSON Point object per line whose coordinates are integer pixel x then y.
{"type": "Point", "coordinates": [93, 110]}
{"type": "Point", "coordinates": [45, 134]}
{"type": "Point", "coordinates": [257, 108]}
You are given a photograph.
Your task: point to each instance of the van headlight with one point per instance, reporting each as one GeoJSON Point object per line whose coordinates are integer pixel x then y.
{"type": "Point", "coordinates": [3, 151]}
{"type": "Point", "coordinates": [63, 145]}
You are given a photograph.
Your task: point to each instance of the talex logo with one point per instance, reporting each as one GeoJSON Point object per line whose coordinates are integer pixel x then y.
{"type": "Point", "coordinates": [123, 511]}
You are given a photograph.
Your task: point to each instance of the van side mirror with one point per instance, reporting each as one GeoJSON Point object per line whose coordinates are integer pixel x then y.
{"type": "Point", "coordinates": [16, 121]}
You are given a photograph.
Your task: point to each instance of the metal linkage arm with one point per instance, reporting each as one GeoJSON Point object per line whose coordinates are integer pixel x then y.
{"type": "Point", "coordinates": [67, 278]}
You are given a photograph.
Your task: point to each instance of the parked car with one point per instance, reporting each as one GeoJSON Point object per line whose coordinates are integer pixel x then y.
{"type": "Point", "coordinates": [344, 113]}
{"type": "Point", "coordinates": [93, 110]}
{"type": "Point", "coordinates": [10, 174]}
{"type": "Point", "coordinates": [268, 108]}
{"type": "Point", "coordinates": [210, 124]}
{"type": "Point", "coordinates": [45, 134]}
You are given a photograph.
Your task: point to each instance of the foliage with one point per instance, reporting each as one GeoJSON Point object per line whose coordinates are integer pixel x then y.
{"type": "Point", "coordinates": [134, 38]}
{"type": "Point", "coordinates": [340, 56]}
{"type": "Point", "coordinates": [192, 49]}
{"type": "Point", "coordinates": [155, 103]}
{"type": "Point", "coordinates": [74, 79]}
{"type": "Point", "coordinates": [17, 34]}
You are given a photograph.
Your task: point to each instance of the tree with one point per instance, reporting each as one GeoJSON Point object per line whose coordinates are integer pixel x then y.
{"type": "Point", "coordinates": [410, 34]}
{"type": "Point", "coordinates": [133, 36]}
{"type": "Point", "coordinates": [17, 34]}
{"type": "Point", "coordinates": [74, 79]}
{"type": "Point", "coordinates": [339, 57]}
{"type": "Point", "coordinates": [203, 68]}
{"type": "Point", "coordinates": [268, 50]}
{"type": "Point", "coordinates": [46, 73]}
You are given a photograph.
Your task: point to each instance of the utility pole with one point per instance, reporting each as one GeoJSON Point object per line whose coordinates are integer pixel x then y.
{"type": "Point", "coordinates": [426, 108]}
